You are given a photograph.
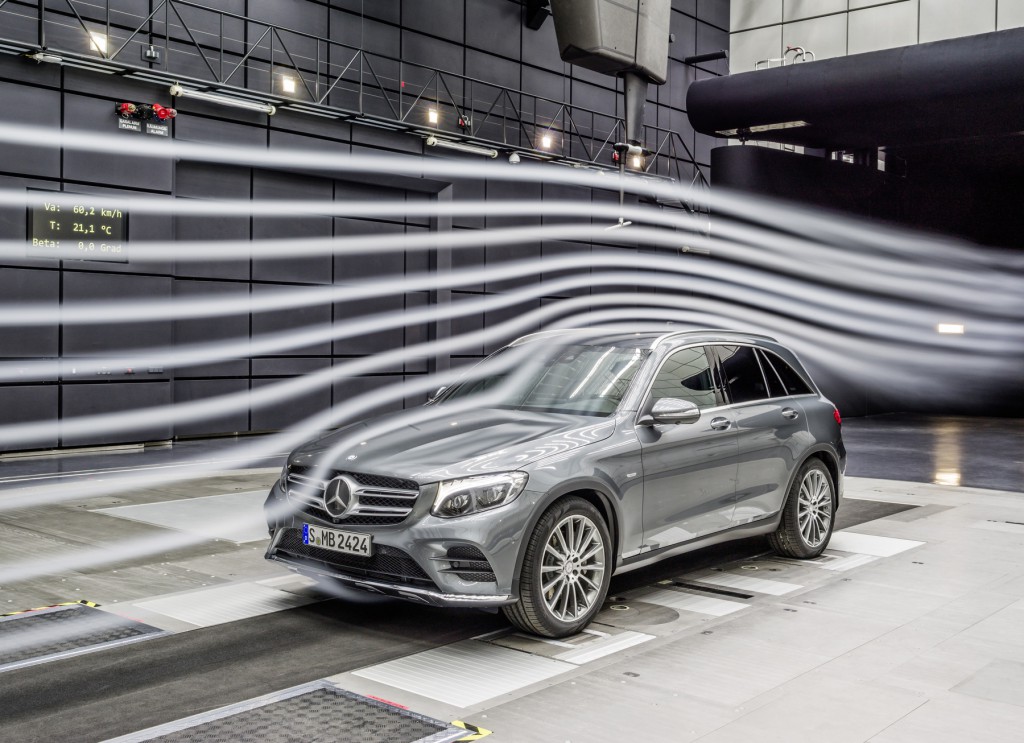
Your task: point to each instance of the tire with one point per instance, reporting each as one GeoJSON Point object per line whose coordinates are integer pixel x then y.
{"type": "Point", "coordinates": [809, 513]}
{"type": "Point", "coordinates": [570, 552]}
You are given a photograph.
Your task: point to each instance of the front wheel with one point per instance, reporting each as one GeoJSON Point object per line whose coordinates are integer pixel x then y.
{"type": "Point", "coordinates": [809, 514]}
{"type": "Point", "coordinates": [566, 570]}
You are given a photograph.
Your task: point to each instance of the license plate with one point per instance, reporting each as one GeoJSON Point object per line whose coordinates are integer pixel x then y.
{"type": "Point", "coordinates": [339, 541]}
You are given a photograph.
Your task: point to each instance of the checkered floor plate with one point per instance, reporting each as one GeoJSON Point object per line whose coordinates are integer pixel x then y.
{"type": "Point", "coordinates": [316, 711]}
{"type": "Point", "coordinates": [62, 631]}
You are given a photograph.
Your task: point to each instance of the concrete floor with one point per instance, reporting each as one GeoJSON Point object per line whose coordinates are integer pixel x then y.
{"type": "Point", "coordinates": [909, 629]}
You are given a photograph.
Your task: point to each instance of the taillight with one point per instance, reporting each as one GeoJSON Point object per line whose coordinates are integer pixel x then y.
{"type": "Point", "coordinates": [835, 414]}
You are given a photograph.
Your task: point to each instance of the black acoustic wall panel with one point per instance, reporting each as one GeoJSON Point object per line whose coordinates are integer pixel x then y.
{"type": "Point", "coordinates": [294, 319]}
{"type": "Point", "coordinates": [365, 310]}
{"type": "Point", "coordinates": [292, 366]}
{"type": "Point", "coordinates": [279, 415]}
{"type": "Point", "coordinates": [314, 269]}
{"type": "Point", "coordinates": [30, 404]}
{"type": "Point", "coordinates": [362, 33]}
{"type": "Point", "coordinates": [202, 180]}
{"type": "Point", "coordinates": [220, 330]}
{"type": "Point", "coordinates": [201, 391]}
{"type": "Point", "coordinates": [31, 287]}
{"type": "Point", "coordinates": [80, 400]}
{"type": "Point", "coordinates": [355, 390]}
{"type": "Point", "coordinates": [364, 266]}
{"type": "Point", "coordinates": [33, 108]}
{"type": "Point", "coordinates": [441, 18]}
{"type": "Point", "coordinates": [417, 261]}
{"type": "Point", "coordinates": [495, 27]}
{"type": "Point", "coordinates": [384, 10]}
{"type": "Point", "coordinates": [113, 337]}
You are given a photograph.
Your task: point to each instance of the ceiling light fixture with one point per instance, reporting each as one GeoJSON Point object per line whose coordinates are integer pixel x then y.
{"type": "Point", "coordinates": [46, 57]}
{"type": "Point", "coordinates": [200, 95]}
{"type": "Point", "coordinates": [545, 141]}
{"type": "Point", "coordinates": [287, 83]}
{"type": "Point", "coordinates": [432, 116]}
{"type": "Point", "coordinates": [98, 42]}
{"type": "Point", "coordinates": [449, 144]}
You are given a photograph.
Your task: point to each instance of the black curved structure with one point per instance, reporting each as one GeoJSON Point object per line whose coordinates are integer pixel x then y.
{"type": "Point", "coordinates": [940, 91]}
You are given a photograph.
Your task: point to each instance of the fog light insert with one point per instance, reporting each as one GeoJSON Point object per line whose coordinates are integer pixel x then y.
{"type": "Point", "coordinates": [470, 564]}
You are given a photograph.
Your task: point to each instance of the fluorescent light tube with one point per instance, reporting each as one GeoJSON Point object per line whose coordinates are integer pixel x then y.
{"type": "Point", "coordinates": [200, 95]}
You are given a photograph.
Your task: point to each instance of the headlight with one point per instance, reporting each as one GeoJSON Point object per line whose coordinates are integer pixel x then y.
{"type": "Point", "coordinates": [473, 494]}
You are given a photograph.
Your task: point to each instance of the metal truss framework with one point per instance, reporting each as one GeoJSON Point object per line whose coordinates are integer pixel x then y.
{"type": "Point", "coordinates": [179, 41]}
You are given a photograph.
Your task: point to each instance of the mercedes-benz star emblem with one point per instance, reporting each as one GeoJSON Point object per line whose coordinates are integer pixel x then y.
{"type": "Point", "coordinates": [340, 497]}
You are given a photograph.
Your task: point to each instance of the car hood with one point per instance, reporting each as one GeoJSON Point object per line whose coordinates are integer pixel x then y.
{"type": "Point", "coordinates": [457, 445]}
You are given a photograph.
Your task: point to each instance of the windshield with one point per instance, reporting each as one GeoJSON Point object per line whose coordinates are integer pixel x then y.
{"type": "Point", "coordinates": [580, 379]}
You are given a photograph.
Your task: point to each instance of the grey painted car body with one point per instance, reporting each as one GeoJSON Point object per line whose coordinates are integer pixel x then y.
{"type": "Point", "coordinates": [665, 489]}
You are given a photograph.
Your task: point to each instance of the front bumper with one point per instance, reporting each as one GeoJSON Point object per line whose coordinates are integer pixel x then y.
{"type": "Point", "coordinates": [416, 559]}
{"type": "Point", "coordinates": [395, 590]}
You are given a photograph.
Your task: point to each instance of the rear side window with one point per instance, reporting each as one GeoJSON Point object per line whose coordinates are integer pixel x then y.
{"type": "Point", "coordinates": [686, 375]}
{"type": "Point", "coordinates": [742, 373]}
{"type": "Point", "coordinates": [793, 383]}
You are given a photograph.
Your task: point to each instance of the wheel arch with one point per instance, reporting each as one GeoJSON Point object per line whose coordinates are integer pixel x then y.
{"type": "Point", "coordinates": [591, 492]}
{"type": "Point", "coordinates": [831, 461]}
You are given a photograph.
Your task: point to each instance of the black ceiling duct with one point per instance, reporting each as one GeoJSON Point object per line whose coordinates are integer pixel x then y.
{"type": "Point", "coordinates": [944, 90]}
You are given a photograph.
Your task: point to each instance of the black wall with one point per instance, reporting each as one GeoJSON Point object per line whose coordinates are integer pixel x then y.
{"type": "Point", "coordinates": [484, 39]}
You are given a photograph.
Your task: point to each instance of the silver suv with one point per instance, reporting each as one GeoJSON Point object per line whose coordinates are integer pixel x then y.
{"type": "Point", "coordinates": [565, 458]}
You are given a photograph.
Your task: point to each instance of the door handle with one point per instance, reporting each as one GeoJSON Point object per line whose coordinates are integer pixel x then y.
{"type": "Point", "coordinates": [720, 424]}
{"type": "Point", "coordinates": [790, 414]}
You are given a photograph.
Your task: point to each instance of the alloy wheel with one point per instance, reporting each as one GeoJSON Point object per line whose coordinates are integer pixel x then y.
{"type": "Point", "coordinates": [572, 568]}
{"type": "Point", "coordinates": [814, 509]}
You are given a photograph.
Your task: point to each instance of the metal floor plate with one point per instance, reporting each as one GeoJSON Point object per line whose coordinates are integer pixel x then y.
{"type": "Point", "coordinates": [228, 603]}
{"type": "Point", "coordinates": [465, 673]}
{"type": "Point", "coordinates": [869, 544]}
{"type": "Point", "coordinates": [237, 517]}
{"type": "Point", "coordinates": [62, 631]}
{"type": "Point", "coordinates": [319, 711]}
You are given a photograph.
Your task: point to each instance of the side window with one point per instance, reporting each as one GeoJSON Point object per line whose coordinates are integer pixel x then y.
{"type": "Point", "coordinates": [775, 388]}
{"type": "Point", "coordinates": [742, 373]}
{"type": "Point", "coordinates": [686, 375]}
{"type": "Point", "coordinates": [793, 382]}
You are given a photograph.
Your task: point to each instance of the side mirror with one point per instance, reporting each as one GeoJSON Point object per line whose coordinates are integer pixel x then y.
{"type": "Point", "coordinates": [437, 394]}
{"type": "Point", "coordinates": [673, 410]}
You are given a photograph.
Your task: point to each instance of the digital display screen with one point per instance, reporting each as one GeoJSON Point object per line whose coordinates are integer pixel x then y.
{"type": "Point", "coordinates": [90, 229]}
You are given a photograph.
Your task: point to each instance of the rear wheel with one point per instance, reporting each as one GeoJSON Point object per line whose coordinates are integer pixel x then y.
{"type": "Point", "coordinates": [808, 516]}
{"type": "Point", "coordinates": [566, 570]}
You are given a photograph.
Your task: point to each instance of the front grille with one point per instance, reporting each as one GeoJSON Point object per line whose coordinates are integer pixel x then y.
{"type": "Point", "coordinates": [388, 564]}
{"type": "Point", "coordinates": [469, 563]}
{"type": "Point", "coordinates": [382, 500]}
